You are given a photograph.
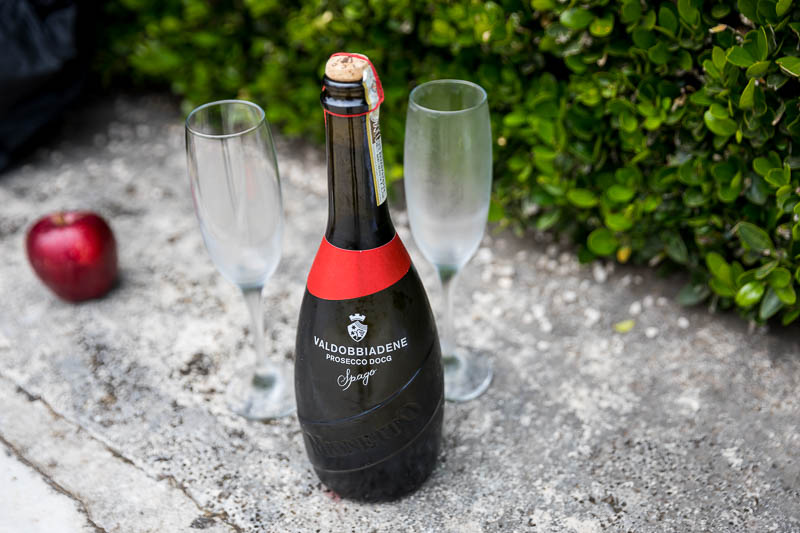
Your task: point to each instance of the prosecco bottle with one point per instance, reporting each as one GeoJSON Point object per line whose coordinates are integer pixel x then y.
{"type": "Point", "coordinates": [368, 373]}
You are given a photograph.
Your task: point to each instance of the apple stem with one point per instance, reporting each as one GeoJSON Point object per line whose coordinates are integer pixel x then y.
{"type": "Point", "coordinates": [58, 219]}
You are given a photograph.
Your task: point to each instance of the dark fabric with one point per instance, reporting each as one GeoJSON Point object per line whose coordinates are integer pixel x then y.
{"type": "Point", "coordinates": [41, 71]}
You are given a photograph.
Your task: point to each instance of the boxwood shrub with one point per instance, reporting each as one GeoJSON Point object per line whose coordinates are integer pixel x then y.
{"type": "Point", "coordinates": [666, 133]}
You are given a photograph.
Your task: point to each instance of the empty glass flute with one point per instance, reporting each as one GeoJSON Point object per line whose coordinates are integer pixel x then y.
{"type": "Point", "coordinates": [236, 190]}
{"type": "Point", "coordinates": [448, 177]}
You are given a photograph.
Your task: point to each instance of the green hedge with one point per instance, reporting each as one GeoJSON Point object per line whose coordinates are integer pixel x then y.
{"type": "Point", "coordinates": [664, 133]}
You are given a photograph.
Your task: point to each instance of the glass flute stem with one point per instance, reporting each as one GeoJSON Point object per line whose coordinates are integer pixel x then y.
{"type": "Point", "coordinates": [265, 391]}
{"type": "Point", "coordinates": [447, 337]}
{"type": "Point", "coordinates": [263, 366]}
{"type": "Point", "coordinates": [466, 375]}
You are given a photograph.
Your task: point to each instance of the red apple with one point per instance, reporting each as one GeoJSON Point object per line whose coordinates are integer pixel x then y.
{"type": "Point", "coordinates": [74, 253]}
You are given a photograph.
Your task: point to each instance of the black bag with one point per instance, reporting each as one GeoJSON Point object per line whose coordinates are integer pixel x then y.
{"type": "Point", "coordinates": [43, 63]}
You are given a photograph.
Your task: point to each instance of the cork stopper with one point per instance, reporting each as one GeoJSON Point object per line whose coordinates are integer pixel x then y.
{"type": "Point", "coordinates": [345, 68]}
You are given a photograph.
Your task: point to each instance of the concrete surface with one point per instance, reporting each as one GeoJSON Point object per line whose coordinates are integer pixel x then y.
{"type": "Point", "coordinates": [114, 408]}
{"type": "Point", "coordinates": [29, 500]}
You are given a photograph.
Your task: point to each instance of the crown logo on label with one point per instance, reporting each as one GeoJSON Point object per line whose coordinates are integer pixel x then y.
{"type": "Point", "coordinates": [357, 329]}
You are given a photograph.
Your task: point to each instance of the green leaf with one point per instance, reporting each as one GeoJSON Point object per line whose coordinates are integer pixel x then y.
{"type": "Point", "coordinates": [762, 165]}
{"type": "Point", "coordinates": [631, 11]}
{"type": "Point", "coordinates": [718, 111]}
{"type": "Point", "coordinates": [690, 172]}
{"type": "Point", "coordinates": [666, 19]}
{"type": "Point", "coordinates": [777, 177]}
{"type": "Point", "coordinates": [617, 222]}
{"type": "Point", "coordinates": [620, 193]}
{"type": "Point", "coordinates": [780, 278]}
{"type": "Point", "coordinates": [720, 10]}
{"type": "Point", "coordinates": [548, 220]}
{"type": "Point", "coordinates": [515, 119]}
{"type": "Point", "coordinates": [602, 27]}
{"type": "Point", "coordinates": [649, 20]}
{"type": "Point", "coordinates": [723, 172]}
{"type": "Point", "coordinates": [719, 268]}
{"type": "Point", "coordinates": [786, 294]}
{"type": "Point", "coordinates": [543, 5]}
{"type": "Point", "coordinates": [652, 123]}
{"type": "Point", "coordinates": [582, 198]}
{"type": "Point", "coordinates": [701, 96]}
{"type": "Point", "coordinates": [658, 53]}
{"type": "Point", "coordinates": [761, 44]}
{"type": "Point", "coordinates": [674, 247]}
{"type": "Point", "coordinates": [764, 270]}
{"type": "Point", "coordinates": [746, 99]}
{"type": "Point", "coordinates": [496, 211]}
{"type": "Point", "coordinates": [756, 70]}
{"type": "Point", "coordinates": [783, 196]}
{"type": "Point", "coordinates": [718, 57]}
{"type": "Point", "coordinates": [766, 10]}
{"type": "Point", "coordinates": [721, 288]}
{"type": "Point", "coordinates": [724, 127]}
{"type": "Point", "coordinates": [711, 69]}
{"type": "Point", "coordinates": [736, 270]}
{"type": "Point", "coordinates": [782, 7]}
{"type": "Point", "coordinates": [753, 237]}
{"type": "Point", "coordinates": [740, 57]}
{"type": "Point", "coordinates": [758, 191]}
{"type": "Point", "coordinates": [749, 9]}
{"type": "Point", "coordinates": [576, 18]}
{"type": "Point", "coordinates": [688, 12]}
{"type": "Point", "coordinates": [692, 294]}
{"type": "Point", "coordinates": [729, 193]}
{"type": "Point", "coordinates": [790, 65]}
{"type": "Point", "coordinates": [628, 122]}
{"type": "Point", "coordinates": [790, 316]}
{"type": "Point", "coordinates": [750, 293]}
{"type": "Point", "coordinates": [745, 277]}
{"type": "Point", "coordinates": [602, 242]}
{"type": "Point", "coordinates": [694, 198]}
{"type": "Point", "coordinates": [651, 203]}
{"type": "Point", "coordinates": [770, 305]}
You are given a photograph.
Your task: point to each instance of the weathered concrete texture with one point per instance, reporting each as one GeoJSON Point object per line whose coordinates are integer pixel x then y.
{"type": "Point", "coordinates": [689, 422]}
{"type": "Point", "coordinates": [29, 504]}
{"type": "Point", "coordinates": [112, 494]}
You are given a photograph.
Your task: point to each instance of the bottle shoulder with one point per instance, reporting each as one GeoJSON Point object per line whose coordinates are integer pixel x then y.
{"type": "Point", "coordinates": [341, 274]}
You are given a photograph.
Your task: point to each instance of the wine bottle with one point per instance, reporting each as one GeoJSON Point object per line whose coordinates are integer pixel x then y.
{"type": "Point", "coordinates": [368, 373]}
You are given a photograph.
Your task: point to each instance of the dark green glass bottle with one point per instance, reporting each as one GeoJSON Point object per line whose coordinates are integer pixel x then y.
{"type": "Point", "coordinates": [368, 374]}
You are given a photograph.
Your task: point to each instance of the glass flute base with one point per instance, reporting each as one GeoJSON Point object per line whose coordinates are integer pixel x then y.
{"type": "Point", "coordinates": [466, 375]}
{"type": "Point", "coordinates": [262, 395]}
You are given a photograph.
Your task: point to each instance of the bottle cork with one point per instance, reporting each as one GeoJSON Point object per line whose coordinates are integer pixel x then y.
{"type": "Point", "coordinates": [345, 68]}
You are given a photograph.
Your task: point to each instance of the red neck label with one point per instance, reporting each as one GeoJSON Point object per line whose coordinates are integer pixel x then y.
{"type": "Point", "coordinates": [339, 274]}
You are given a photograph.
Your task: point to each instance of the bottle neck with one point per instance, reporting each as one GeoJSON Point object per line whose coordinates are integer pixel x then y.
{"type": "Point", "coordinates": [355, 219]}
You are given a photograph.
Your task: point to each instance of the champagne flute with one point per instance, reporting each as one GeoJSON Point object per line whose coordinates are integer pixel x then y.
{"type": "Point", "coordinates": [448, 177]}
{"type": "Point", "coordinates": [236, 190]}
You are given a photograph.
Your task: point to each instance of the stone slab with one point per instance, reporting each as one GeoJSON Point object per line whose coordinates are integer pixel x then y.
{"type": "Point", "coordinates": [111, 493]}
{"type": "Point", "coordinates": [31, 504]}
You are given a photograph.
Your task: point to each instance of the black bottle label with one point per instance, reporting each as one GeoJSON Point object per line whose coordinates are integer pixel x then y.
{"type": "Point", "coordinates": [368, 372]}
